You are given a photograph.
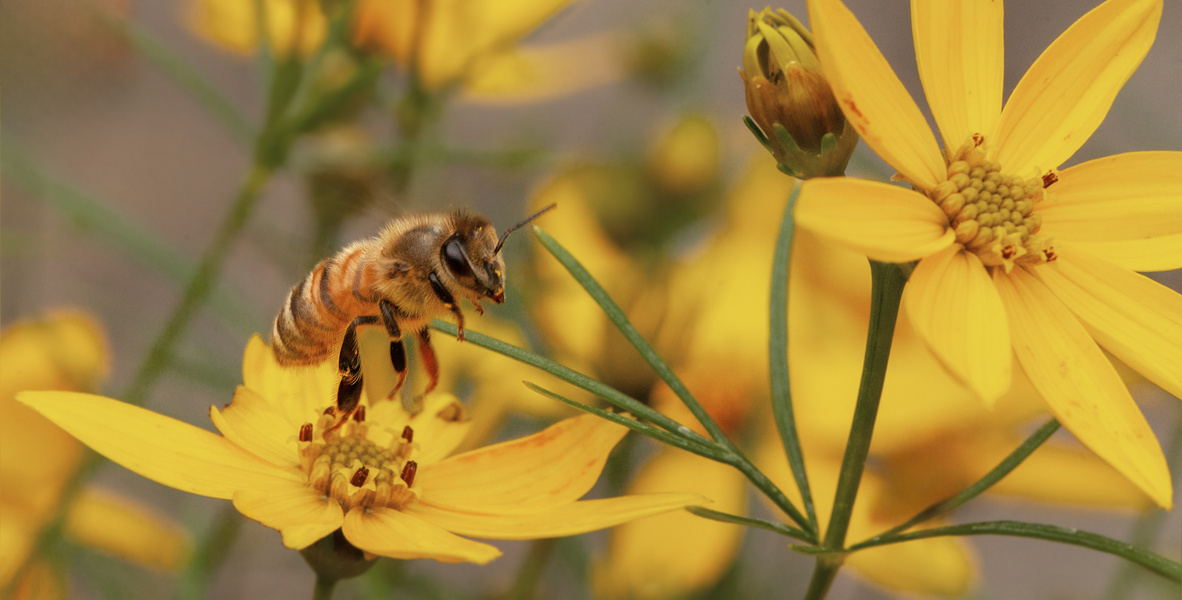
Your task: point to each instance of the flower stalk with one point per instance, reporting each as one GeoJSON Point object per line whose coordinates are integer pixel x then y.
{"type": "Point", "coordinates": [887, 281]}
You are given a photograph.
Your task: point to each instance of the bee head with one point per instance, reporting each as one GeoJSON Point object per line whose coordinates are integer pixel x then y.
{"type": "Point", "coordinates": [472, 255]}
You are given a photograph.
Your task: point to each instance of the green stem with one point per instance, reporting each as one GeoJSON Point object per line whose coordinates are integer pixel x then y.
{"type": "Point", "coordinates": [886, 294]}
{"type": "Point", "coordinates": [778, 357]}
{"type": "Point", "coordinates": [1067, 535]}
{"type": "Point", "coordinates": [199, 287]}
{"type": "Point", "coordinates": [323, 588]}
{"type": "Point", "coordinates": [211, 552]}
{"type": "Point", "coordinates": [1003, 468]}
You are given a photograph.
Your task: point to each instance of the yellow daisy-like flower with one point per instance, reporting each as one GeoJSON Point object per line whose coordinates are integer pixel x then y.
{"type": "Point", "coordinates": [381, 479]}
{"type": "Point", "coordinates": [1013, 253]}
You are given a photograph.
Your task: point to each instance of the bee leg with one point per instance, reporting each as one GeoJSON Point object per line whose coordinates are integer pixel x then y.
{"type": "Point", "coordinates": [349, 364]}
{"type": "Point", "coordinates": [390, 313]}
{"type": "Point", "coordinates": [430, 363]}
{"type": "Point", "coordinates": [448, 301]}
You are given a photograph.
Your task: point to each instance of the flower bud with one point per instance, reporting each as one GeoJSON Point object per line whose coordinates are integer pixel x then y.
{"type": "Point", "coordinates": [790, 100]}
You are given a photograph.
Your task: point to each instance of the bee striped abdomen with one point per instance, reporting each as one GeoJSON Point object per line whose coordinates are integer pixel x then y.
{"type": "Point", "coordinates": [309, 328]}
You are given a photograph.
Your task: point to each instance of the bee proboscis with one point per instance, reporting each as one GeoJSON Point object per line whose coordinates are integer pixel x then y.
{"type": "Point", "coordinates": [419, 267]}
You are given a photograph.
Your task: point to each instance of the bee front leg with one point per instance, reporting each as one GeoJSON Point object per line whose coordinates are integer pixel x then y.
{"type": "Point", "coordinates": [390, 313]}
{"type": "Point", "coordinates": [448, 301]}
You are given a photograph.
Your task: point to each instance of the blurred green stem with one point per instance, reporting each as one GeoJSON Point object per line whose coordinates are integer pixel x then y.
{"type": "Point", "coordinates": [211, 550]}
{"type": "Point", "coordinates": [531, 570]}
{"type": "Point", "coordinates": [323, 588]}
{"type": "Point", "coordinates": [887, 281]}
{"type": "Point", "coordinates": [199, 286]}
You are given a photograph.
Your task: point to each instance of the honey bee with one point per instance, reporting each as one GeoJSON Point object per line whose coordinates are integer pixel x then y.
{"type": "Point", "coordinates": [416, 269]}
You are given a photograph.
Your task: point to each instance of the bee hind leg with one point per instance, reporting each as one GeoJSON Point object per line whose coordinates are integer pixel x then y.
{"type": "Point", "coordinates": [349, 365]}
{"type": "Point", "coordinates": [430, 363]}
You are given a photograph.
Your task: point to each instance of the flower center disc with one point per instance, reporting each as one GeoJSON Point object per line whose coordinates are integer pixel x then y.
{"type": "Point", "coordinates": [344, 464]}
{"type": "Point", "coordinates": [993, 213]}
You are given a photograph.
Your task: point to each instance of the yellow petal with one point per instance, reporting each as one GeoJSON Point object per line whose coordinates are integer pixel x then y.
{"type": "Point", "coordinates": [1079, 385]}
{"type": "Point", "coordinates": [1134, 198]}
{"type": "Point", "coordinates": [959, 51]}
{"type": "Point", "coordinates": [954, 306]}
{"type": "Point", "coordinates": [401, 535]}
{"type": "Point", "coordinates": [162, 449]}
{"type": "Point", "coordinates": [302, 514]}
{"type": "Point", "coordinates": [1067, 92]}
{"type": "Point", "coordinates": [570, 518]}
{"type": "Point", "coordinates": [296, 391]}
{"type": "Point", "coordinates": [553, 467]}
{"type": "Point", "coordinates": [1135, 318]}
{"type": "Point", "coordinates": [538, 73]}
{"type": "Point", "coordinates": [253, 425]}
{"type": "Point", "coordinates": [886, 222]}
{"type": "Point", "coordinates": [674, 554]}
{"type": "Point", "coordinates": [234, 25]}
{"type": "Point", "coordinates": [871, 95]}
{"type": "Point", "coordinates": [103, 520]}
{"type": "Point", "coordinates": [1060, 474]}
{"type": "Point", "coordinates": [388, 25]}
{"type": "Point", "coordinates": [1161, 253]}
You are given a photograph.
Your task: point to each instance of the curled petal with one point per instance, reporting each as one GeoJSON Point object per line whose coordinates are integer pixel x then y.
{"type": "Point", "coordinates": [1079, 385]}
{"type": "Point", "coordinates": [401, 535]}
{"type": "Point", "coordinates": [253, 425]}
{"type": "Point", "coordinates": [885, 222]}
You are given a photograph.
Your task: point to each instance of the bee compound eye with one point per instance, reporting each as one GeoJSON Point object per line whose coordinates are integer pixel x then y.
{"type": "Point", "coordinates": [456, 261]}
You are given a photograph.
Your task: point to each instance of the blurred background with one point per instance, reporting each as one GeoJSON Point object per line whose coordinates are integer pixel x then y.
{"type": "Point", "coordinates": [115, 179]}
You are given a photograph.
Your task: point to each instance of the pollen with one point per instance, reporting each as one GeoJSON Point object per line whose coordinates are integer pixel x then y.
{"type": "Point", "coordinates": [994, 214]}
{"type": "Point", "coordinates": [358, 466]}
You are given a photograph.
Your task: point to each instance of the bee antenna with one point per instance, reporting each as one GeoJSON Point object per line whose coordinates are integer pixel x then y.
{"type": "Point", "coordinates": [501, 242]}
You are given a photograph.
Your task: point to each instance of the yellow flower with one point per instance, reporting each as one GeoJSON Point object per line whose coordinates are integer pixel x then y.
{"type": "Point", "coordinates": [444, 43]}
{"type": "Point", "coordinates": [37, 460]}
{"type": "Point", "coordinates": [1012, 253]}
{"type": "Point", "coordinates": [381, 479]}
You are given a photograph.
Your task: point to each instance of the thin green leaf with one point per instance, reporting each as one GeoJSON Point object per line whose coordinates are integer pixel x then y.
{"type": "Point", "coordinates": [712, 452]}
{"type": "Point", "coordinates": [611, 395]}
{"type": "Point", "coordinates": [185, 75]}
{"type": "Point", "coordinates": [778, 356]}
{"type": "Point", "coordinates": [1003, 468]}
{"type": "Point", "coordinates": [1150, 560]}
{"type": "Point", "coordinates": [724, 517]}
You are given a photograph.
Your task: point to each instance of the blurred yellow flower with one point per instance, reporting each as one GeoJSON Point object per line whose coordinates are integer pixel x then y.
{"type": "Point", "coordinates": [443, 43]}
{"type": "Point", "coordinates": [66, 351]}
{"type": "Point", "coordinates": [381, 478]}
{"type": "Point", "coordinates": [1015, 258]}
